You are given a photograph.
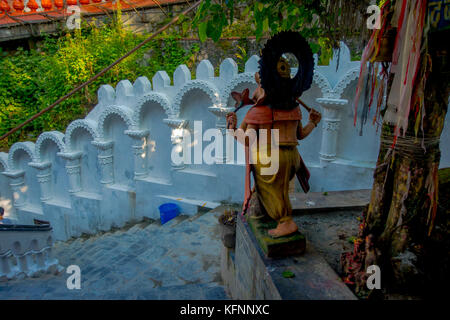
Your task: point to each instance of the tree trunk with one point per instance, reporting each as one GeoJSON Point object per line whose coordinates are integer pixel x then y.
{"type": "Point", "coordinates": [399, 221]}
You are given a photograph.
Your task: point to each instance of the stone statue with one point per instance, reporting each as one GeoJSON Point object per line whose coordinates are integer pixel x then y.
{"type": "Point", "coordinates": [272, 190]}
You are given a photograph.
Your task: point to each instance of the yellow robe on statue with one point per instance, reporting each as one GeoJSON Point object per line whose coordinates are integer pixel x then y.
{"type": "Point", "coordinates": [273, 189]}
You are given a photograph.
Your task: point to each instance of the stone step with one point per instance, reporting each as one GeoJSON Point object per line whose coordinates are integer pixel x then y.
{"type": "Point", "coordinates": [153, 229]}
{"type": "Point", "coordinates": [177, 260]}
{"type": "Point", "coordinates": [150, 229]}
{"type": "Point", "coordinates": [188, 206]}
{"type": "Point", "coordinates": [330, 201]}
{"type": "Point", "coordinates": [169, 229]}
{"type": "Point", "coordinates": [134, 233]}
{"type": "Point", "coordinates": [173, 223]}
{"type": "Point", "coordinates": [209, 216]}
{"type": "Point", "coordinates": [185, 292]}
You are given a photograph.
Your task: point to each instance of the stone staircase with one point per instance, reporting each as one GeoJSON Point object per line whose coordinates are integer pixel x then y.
{"type": "Point", "coordinates": [177, 260]}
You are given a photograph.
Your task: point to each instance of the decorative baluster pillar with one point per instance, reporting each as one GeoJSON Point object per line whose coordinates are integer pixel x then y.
{"type": "Point", "coordinates": [31, 252]}
{"type": "Point", "coordinates": [178, 126]}
{"type": "Point", "coordinates": [221, 124]}
{"type": "Point", "coordinates": [105, 160]}
{"type": "Point", "coordinates": [73, 168]}
{"type": "Point", "coordinates": [32, 264]}
{"type": "Point", "coordinates": [5, 267]}
{"type": "Point", "coordinates": [40, 260]}
{"type": "Point", "coordinates": [48, 254]}
{"type": "Point", "coordinates": [140, 151]}
{"type": "Point", "coordinates": [22, 263]}
{"type": "Point", "coordinates": [17, 183]}
{"type": "Point", "coordinates": [330, 125]}
{"type": "Point", "coordinates": [44, 178]}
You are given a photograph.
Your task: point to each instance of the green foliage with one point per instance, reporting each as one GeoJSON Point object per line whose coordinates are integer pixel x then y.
{"type": "Point", "coordinates": [242, 56]}
{"type": "Point", "coordinates": [326, 51]}
{"type": "Point", "coordinates": [265, 17]}
{"type": "Point", "coordinates": [32, 80]}
{"type": "Point", "coordinates": [322, 22]}
{"type": "Point", "coordinates": [355, 56]}
{"type": "Point", "coordinates": [288, 274]}
{"type": "Point", "coordinates": [351, 239]}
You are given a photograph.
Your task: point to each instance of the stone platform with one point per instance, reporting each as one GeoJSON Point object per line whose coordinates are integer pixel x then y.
{"type": "Point", "coordinates": [330, 201]}
{"type": "Point", "coordinates": [248, 274]}
{"type": "Point", "coordinates": [293, 244]}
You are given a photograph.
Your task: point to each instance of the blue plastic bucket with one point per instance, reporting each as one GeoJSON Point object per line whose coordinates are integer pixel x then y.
{"type": "Point", "coordinates": [168, 211]}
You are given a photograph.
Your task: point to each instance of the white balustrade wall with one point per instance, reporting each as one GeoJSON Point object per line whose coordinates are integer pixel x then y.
{"type": "Point", "coordinates": [26, 253]}
{"type": "Point", "coordinates": [115, 165]}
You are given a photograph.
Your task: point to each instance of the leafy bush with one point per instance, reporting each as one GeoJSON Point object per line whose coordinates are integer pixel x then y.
{"type": "Point", "coordinates": [32, 80]}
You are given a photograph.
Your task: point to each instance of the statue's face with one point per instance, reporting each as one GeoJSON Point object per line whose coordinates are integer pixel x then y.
{"type": "Point", "coordinates": [283, 68]}
{"type": "Point", "coordinates": [257, 78]}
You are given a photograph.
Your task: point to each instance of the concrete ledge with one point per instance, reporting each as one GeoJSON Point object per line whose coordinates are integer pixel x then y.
{"type": "Point", "coordinates": [248, 274]}
{"type": "Point", "coordinates": [332, 201]}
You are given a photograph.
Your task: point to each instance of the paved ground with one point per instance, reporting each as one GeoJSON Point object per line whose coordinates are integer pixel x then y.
{"type": "Point", "coordinates": [330, 232]}
{"type": "Point", "coordinates": [179, 260]}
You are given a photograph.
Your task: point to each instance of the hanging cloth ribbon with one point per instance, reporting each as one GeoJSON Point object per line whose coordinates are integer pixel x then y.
{"type": "Point", "coordinates": [369, 54]}
{"type": "Point", "coordinates": [406, 63]}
